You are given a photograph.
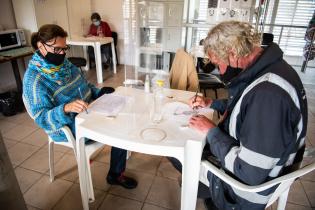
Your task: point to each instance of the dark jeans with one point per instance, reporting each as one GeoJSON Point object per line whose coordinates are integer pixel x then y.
{"type": "Point", "coordinates": [117, 162]}
{"type": "Point", "coordinates": [105, 49]}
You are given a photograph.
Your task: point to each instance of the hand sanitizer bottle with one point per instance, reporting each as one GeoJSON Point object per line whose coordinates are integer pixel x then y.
{"type": "Point", "coordinates": [147, 84]}
{"type": "Point", "coordinates": [158, 102]}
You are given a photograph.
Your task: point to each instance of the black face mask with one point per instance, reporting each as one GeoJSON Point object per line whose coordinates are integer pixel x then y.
{"type": "Point", "coordinates": [229, 74]}
{"type": "Point", "coordinates": [56, 59]}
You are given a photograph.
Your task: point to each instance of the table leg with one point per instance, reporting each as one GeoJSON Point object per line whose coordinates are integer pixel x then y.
{"type": "Point", "coordinates": [114, 56]}
{"type": "Point", "coordinates": [17, 76]}
{"type": "Point", "coordinates": [82, 167]}
{"type": "Point", "coordinates": [87, 58]}
{"type": "Point", "coordinates": [98, 62]}
{"type": "Point", "coordinates": [190, 175]}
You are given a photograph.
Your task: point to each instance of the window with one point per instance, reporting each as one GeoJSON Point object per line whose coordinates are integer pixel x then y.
{"type": "Point", "coordinates": [287, 20]}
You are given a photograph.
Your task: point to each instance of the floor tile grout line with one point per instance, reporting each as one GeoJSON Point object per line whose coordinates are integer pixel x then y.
{"type": "Point", "coordinates": [288, 202]}
{"type": "Point", "coordinates": [298, 180]}
{"type": "Point", "coordinates": [146, 197]}
{"type": "Point", "coordinates": [33, 170]}
{"type": "Point", "coordinates": [29, 134]}
{"type": "Point", "coordinates": [17, 165]}
{"type": "Point", "coordinates": [158, 166]}
{"type": "Point", "coordinates": [125, 197]}
{"type": "Point", "coordinates": [16, 142]}
{"type": "Point", "coordinates": [33, 206]}
{"type": "Point", "coordinates": [62, 196]}
{"type": "Point", "coordinates": [20, 165]}
{"type": "Point", "coordinates": [24, 142]}
{"type": "Point", "coordinates": [309, 201]}
{"type": "Point", "coordinates": [23, 137]}
{"type": "Point", "coordinates": [102, 201]}
{"type": "Point", "coordinates": [42, 175]}
{"type": "Point", "coordinates": [156, 205]}
{"type": "Point", "coordinates": [145, 200]}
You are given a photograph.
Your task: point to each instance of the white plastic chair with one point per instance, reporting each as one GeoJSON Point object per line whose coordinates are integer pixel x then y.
{"type": "Point", "coordinates": [281, 192]}
{"type": "Point", "coordinates": [91, 151]}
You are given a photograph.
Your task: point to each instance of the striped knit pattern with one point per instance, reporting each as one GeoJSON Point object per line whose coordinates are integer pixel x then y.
{"type": "Point", "coordinates": [45, 98]}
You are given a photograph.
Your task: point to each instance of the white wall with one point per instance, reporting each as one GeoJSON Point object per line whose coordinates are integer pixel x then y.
{"type": "Point", "coordinates": [112, 12]}
{"type": "Point", "coordinates": [7, 21]}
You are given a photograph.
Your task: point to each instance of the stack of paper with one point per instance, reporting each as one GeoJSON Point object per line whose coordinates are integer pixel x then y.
{"type": "Point", "coordinates": [109, 104]}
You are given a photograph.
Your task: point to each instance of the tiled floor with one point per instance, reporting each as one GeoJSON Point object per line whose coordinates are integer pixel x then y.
{"type": "Point", "coordinates": [158, 187]}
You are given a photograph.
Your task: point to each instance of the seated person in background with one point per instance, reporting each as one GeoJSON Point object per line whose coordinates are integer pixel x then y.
{"type": "Point", "coordinates": [100, 28]}
{"type": "Point", "coordinates": [51, 91]}
{"type": "Point", "coordinates": [261, 134]}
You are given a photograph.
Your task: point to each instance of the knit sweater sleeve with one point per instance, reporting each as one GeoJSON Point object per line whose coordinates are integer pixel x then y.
{"type": "Point", "coordinates": [95, 91]}
{"type": "Point", "coordinates": [40, 105]}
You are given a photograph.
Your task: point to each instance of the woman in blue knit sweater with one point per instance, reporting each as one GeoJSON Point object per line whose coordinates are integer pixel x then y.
{"type": "Point", "coordinates": [51, 87]}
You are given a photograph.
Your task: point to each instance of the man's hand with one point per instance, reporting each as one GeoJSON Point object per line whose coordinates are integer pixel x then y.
{"type": "Point", "coordinates": [76, 106]}
{"type": "Point", "coordinates": [199, 102]}
{"type": "Point", "coordinates": [201, 123]}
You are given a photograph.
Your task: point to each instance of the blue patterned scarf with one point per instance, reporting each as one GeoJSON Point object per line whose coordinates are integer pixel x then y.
{"type": "Point", "coordinates": [60, 74]}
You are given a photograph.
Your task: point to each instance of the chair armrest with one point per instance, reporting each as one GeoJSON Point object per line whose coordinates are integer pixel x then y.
{"type": "Point", "coordinates": [69, 135]}
{"type": "Point", "coordinates": [207, 166]}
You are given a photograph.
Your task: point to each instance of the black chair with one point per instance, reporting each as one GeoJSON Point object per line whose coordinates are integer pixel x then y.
{"type": "Point", "coordinates": [78, 62]}
{"type": "Point", "coordinates": [267, 39]}
{"type": "Point", "coordinates": [209, 81]}
{"type": "Point", "coordinates": [115, 37]}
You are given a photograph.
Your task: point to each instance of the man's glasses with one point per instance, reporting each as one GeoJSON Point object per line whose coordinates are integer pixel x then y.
{"type": "Point", "coordinates": [58, 50]}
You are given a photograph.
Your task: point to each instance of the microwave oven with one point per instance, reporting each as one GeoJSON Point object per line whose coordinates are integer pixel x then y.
{"type": "Point", "coordinates": [12, 38]}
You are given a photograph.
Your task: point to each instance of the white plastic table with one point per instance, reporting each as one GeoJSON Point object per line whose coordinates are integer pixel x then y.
{"type": "Point", "coordinates": [96, 43]}
{"type": "Point", "coordinates": [125, 130]}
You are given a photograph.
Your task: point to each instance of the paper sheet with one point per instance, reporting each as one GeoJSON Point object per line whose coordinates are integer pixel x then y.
{"type": "Point", "coordinates": [109, 104]}
{"type": "Point", "coordinates": [183, 112]}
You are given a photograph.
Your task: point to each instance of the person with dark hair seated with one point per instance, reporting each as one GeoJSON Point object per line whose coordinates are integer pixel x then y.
{"type": "Point", "coordinates": [100, 28]}
{"type": "Point", "coordinates": [52, 88]}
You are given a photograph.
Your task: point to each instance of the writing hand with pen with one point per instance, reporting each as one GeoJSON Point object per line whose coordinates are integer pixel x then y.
{"type": "Point", "coordinates": [197, 102]}
{"type": "Point", "coordinates": [200, 122]}
{"type": "Point", "coordinates": [76, 106]}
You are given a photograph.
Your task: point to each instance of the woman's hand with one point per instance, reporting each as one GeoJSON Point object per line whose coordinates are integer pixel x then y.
{"type": "Point", "coordinates": [201, 123]}
{"type": "Point", "coordinates": [76, 106]}
{"type": "Point", "coordinates": [199, 102]}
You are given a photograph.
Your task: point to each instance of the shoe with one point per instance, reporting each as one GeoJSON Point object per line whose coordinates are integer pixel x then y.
{"type": "Point", "coordinates": [105, 65]}
{"type": "Point", "coordinates": [124, 181]}
{"type": "Point", "coordinates": [209, 204]}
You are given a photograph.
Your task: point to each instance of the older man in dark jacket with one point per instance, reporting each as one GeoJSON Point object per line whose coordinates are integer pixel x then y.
{"type": "Point", "coordinates": [264, 123]}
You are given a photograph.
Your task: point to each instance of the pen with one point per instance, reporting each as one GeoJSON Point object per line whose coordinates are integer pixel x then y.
{"type": "Point", "coordinates": [86, 111]}
{"type": "Point", "coordinates": [195, 98]}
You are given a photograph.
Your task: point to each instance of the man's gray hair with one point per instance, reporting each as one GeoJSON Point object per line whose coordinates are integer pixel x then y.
{"type": "Point", "coordinates": [231, 36]}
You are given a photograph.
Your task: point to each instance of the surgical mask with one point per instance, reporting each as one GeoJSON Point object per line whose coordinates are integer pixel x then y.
{"type": "Point", "coordinates": [229, 74]}
{"type": "Point", "coordinates": [97, 23]}
{"type": "Point", "coordinates": [55, 59]}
